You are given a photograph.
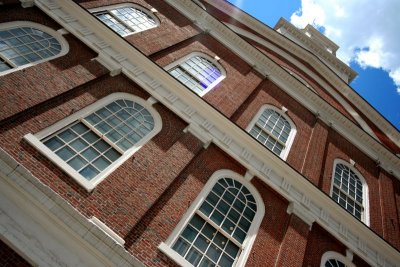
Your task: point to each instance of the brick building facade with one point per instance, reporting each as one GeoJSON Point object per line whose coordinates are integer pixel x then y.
{"type": "Point", "coordinates": [186, 133]}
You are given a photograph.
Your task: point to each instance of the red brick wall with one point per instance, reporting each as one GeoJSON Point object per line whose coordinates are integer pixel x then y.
{"type": "Point", "coordinates": [146, 196]}
{"type": "Point", "coordinates": [173, 27]}
{"type": "Point", "coordinates": [294, 244]}
{"type": "Point", "coordinates": [240, 81]}
{"type": "Point", "coordinates": [33, 85]}
{"type": "Point", "coordinates": [269, 93]}
{"type": "Point", "coordinates": [295, 69]}
{"type": "Point", "coordinates": [326, 146]}
{"type": "Point", "coordinates": [272, 230]}
{"type": "Point", "coordinates": [389, 188]}
{"type": "Point", "coordinates": [340, 148]}
{"type": "Point", "coordinates": [153, 166]}
{"type": "Point", "coordinates": [161, 219]}
{"type": "Point", "coordinates": [226, 16]}
{"type": "Point", "coordinates": [314, 157]}
{"type": "Point", "coordinates": [8, 257]}
{"type": "Point", "coordinates": [319, 242]}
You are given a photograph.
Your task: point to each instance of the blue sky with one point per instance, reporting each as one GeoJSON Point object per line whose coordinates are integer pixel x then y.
{"type": "Point", "coordinates": [367, 43]}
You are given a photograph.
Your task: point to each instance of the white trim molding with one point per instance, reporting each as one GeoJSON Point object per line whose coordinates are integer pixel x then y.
{"type": "Point", "coordinates": [332, 255]}
{"type": "Point", "coordinates": [314, 45]}
{"type": "Point", "coordinates": [36, 140]}
{"type": "Point", "coordinates": [310, 73]}
{"type": "Point", "coordinates": [291, 85]}
{"type": "Point", "coordinates": [45, 229]}
{"type": "Point", "coordinates": [55, 34]}
{"type": "Point", "coordinates": [251, 234]}
{"type": "Point", "coordinates": [301, 212]}
{"type": "Point", "coordinates": [107, 230]}
{"type": "Point", "coordinates": [324, 70]}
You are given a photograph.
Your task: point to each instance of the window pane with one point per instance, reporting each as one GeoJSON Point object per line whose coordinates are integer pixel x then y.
{"type": "Point", "coordinates": [126, 20]}
{"type": "Point", "coordinates": [77, 163]}
{"type": "Point", "coordinates": [201, 243]}
{"type": "Point", "coordinates": [206, 263]}
{"type": "Point", "coordinates": [181, 246]}
{"type": "Point", "coordinates": [208, 245]}
{"type": "Point", "coordinates": [4, 66]}
{"type": "Point", "coordinates": [197, 73]}
{"type": "Point", "coordinates": [272, 130]}
{"type": "Point", "coordinates": [118, 121]}
{"type": "Point", "coordinates": [345, 185]}
{"type": "Point", "coordinates": [193, 256]}
{"type": "Point", "coordinates": [101, 163]}
{"type": "Point", "coordinates": [225, 261]}
{"type": "Point", "coordinates": [21, 46]}
{"type": "Point", "coordinates": [79, 144]}
{"type": "Point", "coordinates": [65, 153]}
{"type": "Point", "coordinates": [114, 24]}
{"type": "Point", "coordinates": [90, 154]}
{"type": "Point", "coordinates": [134, 18]}
{"type": "Point", "coordinates": [54, 143]}
{"type": "Point", "coordinates": [67, 135]}
{"type": "Point", "coordinates": [189, 233]}
{"type": "Point", "coordinates": [334, 263]}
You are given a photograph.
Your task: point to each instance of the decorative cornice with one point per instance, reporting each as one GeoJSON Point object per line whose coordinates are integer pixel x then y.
{"type": "Point", "coordinates": [321, 37]}
{"type": "Point", "coordinates": [311, 74]}
{"type": "Point", "coordinates": [301, 212]}
{"type": "Point", "coordinates": [315, 48]}
{"type": "Point", "coordinates": [223, 133]}
{"type": "Point", "coordinates": [307, 56]}
{"type": "Point", "coordinates": [290, 85]}
{"type": "Point", "coordinates": [41, 205]}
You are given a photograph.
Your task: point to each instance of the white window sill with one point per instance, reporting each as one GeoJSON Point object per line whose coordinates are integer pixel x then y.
{"type": "Point", "coordinates": [107, 230]}
{"type": "Point", "coordinates": [173, 255]}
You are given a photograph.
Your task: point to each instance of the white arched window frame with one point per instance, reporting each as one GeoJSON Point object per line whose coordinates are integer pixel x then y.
{"type": "Point", "coordinates": [256, 129]}
{"type": "Point", "coordinates": [93, 142]}
{"type": "Point", "coordinates": [190, 79]}
{"type": "Point", "coordinates": [194, 209]}
{"type": "Point", "coordinates": [126, 19]}
{"type": "Point", "coordinates": [335, 188]}
{"type": "Point", "coordinates": [334, 259]}
{"type": "Point", "coordinates": [25, 43]}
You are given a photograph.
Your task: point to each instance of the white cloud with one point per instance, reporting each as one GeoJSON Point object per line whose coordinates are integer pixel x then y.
{"type": "Point", "coordinates": [367, 31]}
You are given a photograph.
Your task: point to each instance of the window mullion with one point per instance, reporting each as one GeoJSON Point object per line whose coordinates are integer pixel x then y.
{"type": "Point", "coordinates": [219, 229]}
{"type": "Point", "coordinates": [270, 134]}
{"type": "Point", "coordinates": [102, 136]}
{"type": "Point", "coordinates": [348, 195]}
{"type": "Point", "coordinates": [189, 74]}
{"type": "Point", "coordinates": [120, 20]}
{"type": "Point", "coordinates": [9, 62]}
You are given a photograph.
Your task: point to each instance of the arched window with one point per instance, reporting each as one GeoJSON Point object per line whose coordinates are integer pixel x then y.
{"type": "Point", "coordinates": [91, 143]}
{"type": "Point", "coordinates": [334, 263]}
{"type": "Point", "coordinates": [24, 43]}
{"type": "Point", "coordinates": [350, 190]}
{"type": "Point", "coordinates": [272, 128]}
{"type": "Point", "coordinates": [220, 226]}
{"type": "Point", "coordinates": [334, 259]}
{"type": "Point", "coordinates": [198, 72]}
{"type": "Point", "coordinates": [126, 19]}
